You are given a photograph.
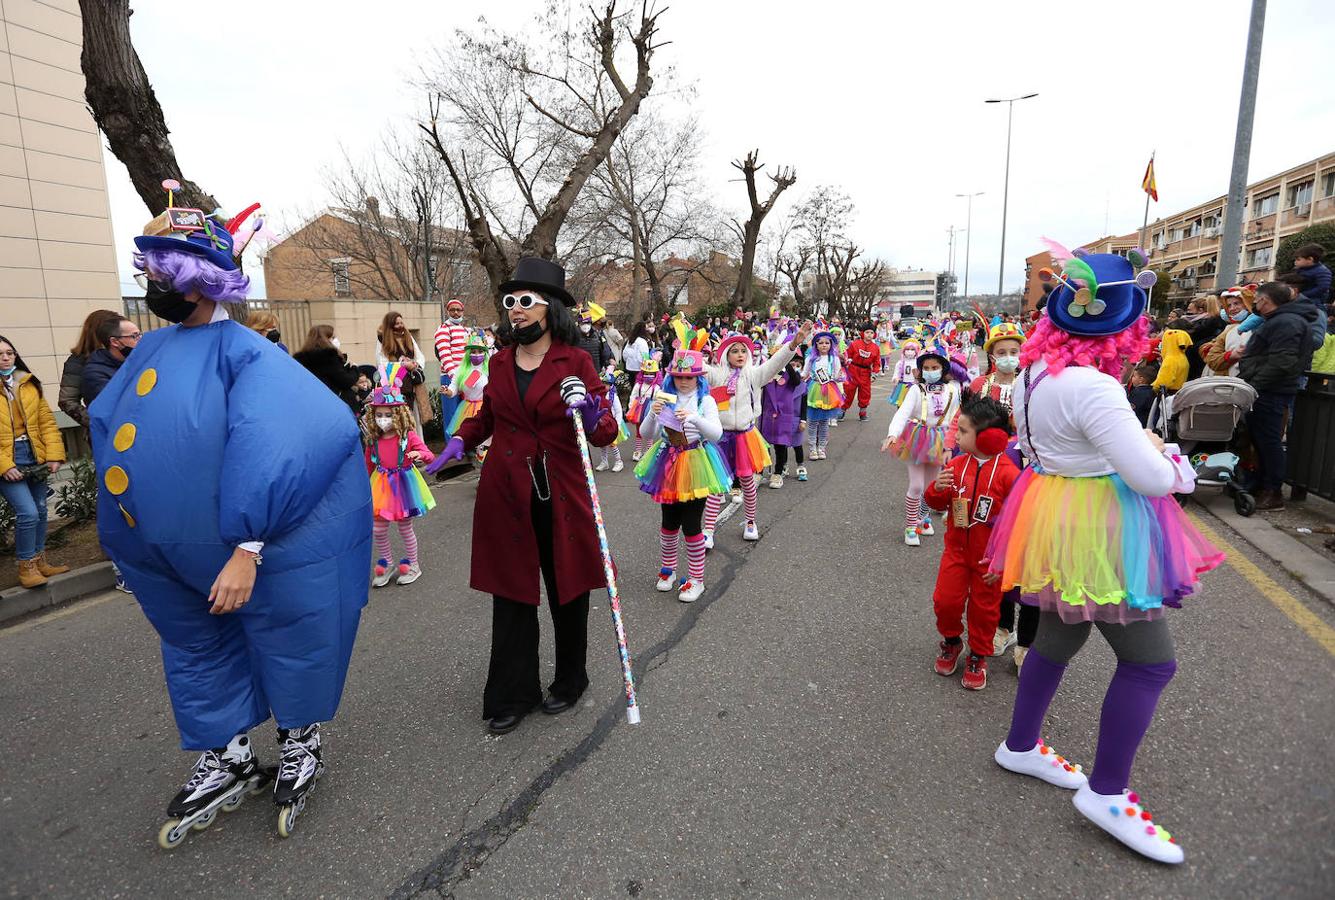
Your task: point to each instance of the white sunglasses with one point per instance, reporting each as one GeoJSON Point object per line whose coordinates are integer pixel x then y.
{"type": "Point", "coordinates": [523, 301]}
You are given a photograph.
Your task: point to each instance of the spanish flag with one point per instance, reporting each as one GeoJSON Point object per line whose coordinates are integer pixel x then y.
{"type": "Point", "coordinates": [1147, 183]}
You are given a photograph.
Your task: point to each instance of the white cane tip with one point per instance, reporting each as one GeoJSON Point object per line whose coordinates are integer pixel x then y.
{"type": "Point", "coordinates": [632, 715]}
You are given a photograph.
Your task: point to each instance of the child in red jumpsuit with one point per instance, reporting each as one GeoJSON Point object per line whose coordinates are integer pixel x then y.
{"type": "Point", "coordinates": [864, 358]}
{"type": "Point", "coordinates": [972, 486]}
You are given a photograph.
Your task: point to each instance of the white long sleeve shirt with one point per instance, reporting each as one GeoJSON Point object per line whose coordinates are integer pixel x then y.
{"type": "Point", "coordinates": [702, 420]}
{"type": "Point", "coordinates": [1080, 425]}
{"type": "Point", "coordinates": [942, 405]}
{"type": "Point", "coordinates": [744, 409]}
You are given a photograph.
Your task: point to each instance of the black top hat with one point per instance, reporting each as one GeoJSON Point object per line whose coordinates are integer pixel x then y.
{"type": "Point", "coordinates": [539, 275]}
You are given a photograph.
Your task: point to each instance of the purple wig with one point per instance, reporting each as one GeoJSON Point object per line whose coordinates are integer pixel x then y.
{"type": "Point", "coordinates": [191, 273]}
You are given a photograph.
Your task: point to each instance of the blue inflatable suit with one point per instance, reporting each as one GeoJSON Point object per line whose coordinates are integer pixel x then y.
{"type": "Point", "coordinates": [208, 437]}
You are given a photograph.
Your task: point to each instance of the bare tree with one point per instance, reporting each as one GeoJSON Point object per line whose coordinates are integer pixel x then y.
{"type": "Point", "coordinates": [749, 232]}
{"type": "Point", "coordinates": [394, 218]}
{"type": "Point", "coordinates": [521, 128]}
{"type": "Point", "coordinates": [126, 109]}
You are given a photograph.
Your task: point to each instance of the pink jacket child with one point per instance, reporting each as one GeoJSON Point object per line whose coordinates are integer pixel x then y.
{"type": "Point", "coordinates": [399, 493]}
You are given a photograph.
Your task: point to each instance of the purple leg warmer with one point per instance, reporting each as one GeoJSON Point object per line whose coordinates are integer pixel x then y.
{"type": "Point", "coordinates": [1038, 685]}
{"type": "Point", "coordinates": [1128, 709]}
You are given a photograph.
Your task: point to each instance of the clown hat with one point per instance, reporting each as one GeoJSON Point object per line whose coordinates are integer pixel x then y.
{"type": "Point", "coordinates": [390, 390]}
{"type": "Point", "coordinates": [936, 352]}
{"type": "Point", "coordinates": [721, 354]}
{"type": "Point", "coordinates": [649, 367]}
{"type": "Point", "coordinates": [476, 341]}
{"type": "Point", "coordinates": [453, 302]}
{"type": "Point", "coordinates": [188, 230]}
{"type": "Point", "coordinates": [687, 363]}
{"type": "Point", "coordinates": [834, 341]}
{"type": "Point", "coordinates": [1003, 331]}
{"type": "Point", "coordinates": [1098, 294]}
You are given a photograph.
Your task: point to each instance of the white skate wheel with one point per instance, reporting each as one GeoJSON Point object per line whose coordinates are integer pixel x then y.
{"type": "Point", "coordinates": [169, 838]}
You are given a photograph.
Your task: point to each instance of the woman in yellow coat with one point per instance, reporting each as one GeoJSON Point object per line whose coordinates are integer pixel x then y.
{"type": "Point", "coordinates": [31, 451]}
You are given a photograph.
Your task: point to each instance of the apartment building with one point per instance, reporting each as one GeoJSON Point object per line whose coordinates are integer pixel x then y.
{"type": "Point", "coordinates": [57, 253]}
{"type": "Point", "coordinates": [1186, 244]}
{"type": "Point", "coordinates": [903, 286]}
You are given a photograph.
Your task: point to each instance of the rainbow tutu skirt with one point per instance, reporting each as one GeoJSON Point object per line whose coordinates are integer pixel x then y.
{"type": "Point", "coordinates": [824, 396]}
{"type": "Point", "coordinates": [1092, 549]}
{"type": "Point", "coordinates": [674, 475]}
{"type": "Point", "coordinates": [922, 444]}
{"type": "Point", "coordinates": [745, 451]}
{"type": "Point", "coordinates": [401, 494]}
{"type": "Point", "coordinates": [636, 409]}
{"type": "Point", "coordinates": [899, 391]}
{"type": "Point", "coordinates": [465, 410]}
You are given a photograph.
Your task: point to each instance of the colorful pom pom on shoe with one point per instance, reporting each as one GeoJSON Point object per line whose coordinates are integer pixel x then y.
{"type": "Point", "coordinates": [1043, 763]}
{"type": "Point", "coordinates": [1122, 816]}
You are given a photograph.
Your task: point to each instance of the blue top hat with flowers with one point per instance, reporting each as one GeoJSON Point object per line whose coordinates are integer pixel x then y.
{"type": "Point", "coordinates": [190, 230]}
{"type": "Point", "coordinates": [1099, 294]}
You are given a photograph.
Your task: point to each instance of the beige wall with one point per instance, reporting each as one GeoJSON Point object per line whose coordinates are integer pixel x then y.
{"type": "Point", "coordinates": [57, 258]}
{"type": "Point", "coordinates": [355, 323]}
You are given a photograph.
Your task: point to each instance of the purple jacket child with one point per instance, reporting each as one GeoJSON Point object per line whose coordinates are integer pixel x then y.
{"type": "Point", "coordinates": [783, 406]}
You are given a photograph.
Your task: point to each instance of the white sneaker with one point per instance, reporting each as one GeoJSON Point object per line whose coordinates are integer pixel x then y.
{"type": "Point", "coordinates": [383, 573]}
{"type": "Point", "coordinates": [667, 580]}
{"type": "Point", "coordinates": [911, 538]}
{"type": "Point", "coordinates": [1018, 654]}
{"type": "Point", "coordinates": [709, 538]}
{"type": "Point", "coordinates": [1043, 763]}
{"type": "Point", "coordinates": [736, 495]}
{"type": "Point", "coordinates": [776, 481]}
{"type": "Point", "coordinates": [691, 591]}
{"type": "Point", "coordinates": [834, 423]}
{"type": "Point", "coordinates": [1002, 641]}
{"type": "Point", "coordinates": [801, 473]}
{"type": "Point", "coordinates": [750, 532]}
{"type": "Point", "coordinates": [618, 465]}
{"type": "Point", "coordinates": [926, 529]}
{"type": "Point", "coordinates": [601, 467]}
{"type": "Point", "coordinates": [1122, 816]}
{"type": "Point", "coordinates": [635, 457]}
{"type": "Point", "coordinates": [408, 577]}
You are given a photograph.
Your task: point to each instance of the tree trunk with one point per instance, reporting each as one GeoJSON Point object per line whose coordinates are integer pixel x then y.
{"type": "Point", "coordinates": [126, 109]}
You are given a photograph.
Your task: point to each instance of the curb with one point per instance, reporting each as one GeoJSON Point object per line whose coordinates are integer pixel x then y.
{"type": "Point", "coordinates": [60, 589]}
{"type": "Point", "coordinates": [1290, 554]}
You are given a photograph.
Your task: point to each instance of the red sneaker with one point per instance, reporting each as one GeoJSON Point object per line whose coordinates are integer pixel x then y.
{"type": "Point", "coordinates": [975, 672]}
{"type": "Point", "coordinates": [949, 658]}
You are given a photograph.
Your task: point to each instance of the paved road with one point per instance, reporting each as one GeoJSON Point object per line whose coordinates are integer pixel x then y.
{"type": "Point", "coordinates": [795, 740]}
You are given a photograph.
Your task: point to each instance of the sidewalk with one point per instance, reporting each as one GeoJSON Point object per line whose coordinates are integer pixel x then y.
{"type": "Point", "coordinates": [1276, 536]}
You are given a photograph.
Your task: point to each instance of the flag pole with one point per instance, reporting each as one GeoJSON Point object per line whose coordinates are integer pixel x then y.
{"type": "Point", "coordinates": [1145, 222]}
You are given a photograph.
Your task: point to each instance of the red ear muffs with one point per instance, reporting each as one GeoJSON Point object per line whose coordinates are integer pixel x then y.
{"type": "Point", "coordinates": [992, 441]}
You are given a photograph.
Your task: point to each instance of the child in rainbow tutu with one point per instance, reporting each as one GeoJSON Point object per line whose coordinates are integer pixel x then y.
{"type": "Point", "coordinates": [738, 385]}
{"type": "Point", "coordinates": [399, 493]}
{"type": "Point", "coordinates": [470, 379]}
{"type": "Point", "coordinates": [906, 371]}
{"type": "Point", "coordinates": [1092, 536]}
{"type": "Point", "coordinates": [682, 468]}
{"type": "Point", "coordinates": [918, 435]}
{"type": "Point", "coordinates": [641, 395]}
{"type": "Point", "coordinates": [614, 450]}
{"type": "Point", "coordinates": [824, 373]}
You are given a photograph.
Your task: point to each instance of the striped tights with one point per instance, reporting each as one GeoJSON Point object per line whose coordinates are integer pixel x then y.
{"type": "Point", "coordinates": [380, 534]}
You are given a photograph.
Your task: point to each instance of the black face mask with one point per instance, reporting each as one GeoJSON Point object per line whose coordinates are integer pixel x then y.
{"type": "Point", "coordinates": [273, 335]}
{"type": "Point", "coordinates": [169, 305]}
{"type": "Point", "coordinates": [529, 333]}
{"type": "Point", "coordinates": [125, 351]}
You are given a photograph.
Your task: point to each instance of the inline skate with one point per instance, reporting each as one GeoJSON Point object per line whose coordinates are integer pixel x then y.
{"type": "Point", "coordinates": [220, 781]}
{"type": "Point", "coordinates": [298, 771]}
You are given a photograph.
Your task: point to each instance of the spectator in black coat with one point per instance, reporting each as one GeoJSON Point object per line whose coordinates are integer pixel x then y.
{"type": "Point", "coordinates": [592, 342]}
{"type": "Point", "coordinates": [1315, 286]}
{"type": "Point", "coordinates": [1140, 393]}
{"type": "Point", "coordinates": [1277, 356]}
{"type": "Point", "coordinates": [1203, 324]}
{"type": "Point", "coordinates": [323, 359]}
{"type": "Point", "coordinates": [117, 336]}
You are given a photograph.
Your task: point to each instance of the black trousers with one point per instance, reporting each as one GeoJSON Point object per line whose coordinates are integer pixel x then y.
{"type": "Point", "coordinates": [688, 516]}
{"type": "Point", "coordinates": [781, 456]}
{"type": "Point", "coordinates": [513, 686]}
{"type": "Point", "coordinates": [1027, 627]}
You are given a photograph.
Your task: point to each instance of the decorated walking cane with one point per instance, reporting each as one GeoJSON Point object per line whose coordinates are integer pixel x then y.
{"type": "Point", "coordinates": [573, 393]}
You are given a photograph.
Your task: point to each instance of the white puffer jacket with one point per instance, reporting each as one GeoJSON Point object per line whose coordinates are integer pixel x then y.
{"type": "Point", "coordinates": [744, 409]}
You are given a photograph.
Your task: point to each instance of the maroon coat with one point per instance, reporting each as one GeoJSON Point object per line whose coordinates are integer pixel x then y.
{"type": "Point", "coordinates": [505, 549]}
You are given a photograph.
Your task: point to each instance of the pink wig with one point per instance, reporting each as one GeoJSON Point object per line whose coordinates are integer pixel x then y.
{"type": "Point", "coordinates": [190, 273]}
{"type": "Point", "coordinates": [1059, 349]}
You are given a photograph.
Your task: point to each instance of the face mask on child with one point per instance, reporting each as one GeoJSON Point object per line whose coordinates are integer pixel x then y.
{"type": "Point", "coordinates": [384, 423]}
{"type": "Point", "coordinates": [1008, 363]}
{"type": "Point", "coordinates": [931, 376]}
{"type": "Point", "coordinates": [1234, 317]}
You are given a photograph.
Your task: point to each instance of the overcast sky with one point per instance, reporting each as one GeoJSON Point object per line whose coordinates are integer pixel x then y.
{"type": "Point", "coordinates": [884, 100]}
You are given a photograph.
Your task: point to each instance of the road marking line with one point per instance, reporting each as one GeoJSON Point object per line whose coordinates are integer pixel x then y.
{"type": "Point", "coordinates": [1288, 604]}
{"type": "Point", "coordinates": [60, 613]}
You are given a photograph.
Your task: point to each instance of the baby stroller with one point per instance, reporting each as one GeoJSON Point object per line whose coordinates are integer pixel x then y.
{"type": "Point", "coordinates": [1202, 419]}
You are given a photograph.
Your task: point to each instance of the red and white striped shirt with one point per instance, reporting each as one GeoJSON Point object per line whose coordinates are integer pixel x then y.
{"type": "Point", "coordinates": [450, 341]}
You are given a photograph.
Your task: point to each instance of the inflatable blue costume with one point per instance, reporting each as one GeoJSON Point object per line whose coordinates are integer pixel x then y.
{"type": "Point", "coordinates": [218, 453]}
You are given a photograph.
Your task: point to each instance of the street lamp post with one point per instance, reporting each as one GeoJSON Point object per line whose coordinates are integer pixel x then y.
{"type": "Point", "coordinates": [1005, 196]}
{"type": "Point", "coordinates": [968, 239]}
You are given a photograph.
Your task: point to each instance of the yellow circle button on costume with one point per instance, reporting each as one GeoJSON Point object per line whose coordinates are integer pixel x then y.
{"type": "Point", "coordinates": [147, 380]}
{"type": "Point", "coordinates": [124, 439]}
{"type": "Point", "coordinates": [116, 480]}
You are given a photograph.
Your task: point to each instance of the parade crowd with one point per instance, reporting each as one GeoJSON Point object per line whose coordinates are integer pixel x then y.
{"type": "Point", "coordinates": [249, 497]}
